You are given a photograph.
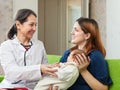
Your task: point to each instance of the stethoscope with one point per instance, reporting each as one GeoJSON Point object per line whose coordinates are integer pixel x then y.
{"type": "Point", "coordinates": [27, 47]}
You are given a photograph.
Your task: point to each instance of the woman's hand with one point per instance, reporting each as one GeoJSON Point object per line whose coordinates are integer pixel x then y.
{"type": "Point", "coordinates": [82, 61]}
{"type": "Point", "coordinates": [51, 87]}
{"type": "Point", "coordinates": [48, 69]}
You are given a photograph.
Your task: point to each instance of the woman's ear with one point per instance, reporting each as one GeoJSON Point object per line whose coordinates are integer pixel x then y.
{"type": "Point", "coordinates": [18, 24]}
{"type": "Point", "coordinates": [88, 36]}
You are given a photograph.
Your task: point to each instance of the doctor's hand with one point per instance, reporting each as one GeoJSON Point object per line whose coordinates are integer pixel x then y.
{"type": "Point", "coordinates": [48, 69]}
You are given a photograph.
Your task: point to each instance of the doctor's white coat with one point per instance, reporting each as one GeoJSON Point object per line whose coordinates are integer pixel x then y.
{"type": "Point", "coordinates": [13, 57]}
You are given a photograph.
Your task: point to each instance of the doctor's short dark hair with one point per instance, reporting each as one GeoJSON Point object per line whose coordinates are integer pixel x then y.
{"type": "Point", "coordinates": [21, 16]}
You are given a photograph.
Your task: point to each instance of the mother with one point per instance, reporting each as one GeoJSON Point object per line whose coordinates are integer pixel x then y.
{"type": "Point", "coordinates": [93, 69]}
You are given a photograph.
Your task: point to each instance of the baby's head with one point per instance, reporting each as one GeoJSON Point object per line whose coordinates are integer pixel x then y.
{"type": "Point", "coordinates": [73, 53]}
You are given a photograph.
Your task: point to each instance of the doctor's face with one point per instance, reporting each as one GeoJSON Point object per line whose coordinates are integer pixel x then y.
{"type": "Point", "coordinates": [28, 28]}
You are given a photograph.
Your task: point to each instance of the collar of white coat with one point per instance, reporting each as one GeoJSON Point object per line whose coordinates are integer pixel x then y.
{"type": "Point", "coordinates": [16, 41]}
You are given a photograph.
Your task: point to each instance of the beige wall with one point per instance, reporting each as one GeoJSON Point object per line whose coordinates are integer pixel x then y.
{"type": "Point", "coordinates": [52, 25]}
{"type": "Point", "coordinates": [6, 20]}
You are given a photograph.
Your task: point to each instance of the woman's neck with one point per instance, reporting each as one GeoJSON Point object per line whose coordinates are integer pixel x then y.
{"type": "Point", "coordinates": [82, 46]}
{"type": "Point", "coordinates": [23, 40]}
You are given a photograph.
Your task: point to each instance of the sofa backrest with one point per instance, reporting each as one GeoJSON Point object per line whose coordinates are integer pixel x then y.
{"type": "Point", "coordinates": [53, 58]}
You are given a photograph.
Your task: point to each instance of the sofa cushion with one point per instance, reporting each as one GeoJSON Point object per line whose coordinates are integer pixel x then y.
{"type": "Point", "coordinates": [114, 70]}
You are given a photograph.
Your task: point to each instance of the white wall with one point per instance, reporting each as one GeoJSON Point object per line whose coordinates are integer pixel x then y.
{"type": "Point", "coordinates": [113, 29]}
{"type": "Point", "coordinates": [30, 4]}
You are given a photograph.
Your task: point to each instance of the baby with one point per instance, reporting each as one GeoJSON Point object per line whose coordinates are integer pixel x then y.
{"type": "Point", "coordinates": [67, 74]}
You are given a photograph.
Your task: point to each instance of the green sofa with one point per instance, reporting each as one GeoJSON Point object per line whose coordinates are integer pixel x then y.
{"type": "Point", "coordinates": [114, 70]}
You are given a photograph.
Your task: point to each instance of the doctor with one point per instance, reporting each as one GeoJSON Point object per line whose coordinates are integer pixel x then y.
{"type": "Point", "coordinates": [23, 59]}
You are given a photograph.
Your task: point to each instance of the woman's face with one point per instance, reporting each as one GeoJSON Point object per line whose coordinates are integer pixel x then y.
{"type": "Point", "coordinates": [78, 36]}
{"type": "Point", "coordinates": [28, 28]}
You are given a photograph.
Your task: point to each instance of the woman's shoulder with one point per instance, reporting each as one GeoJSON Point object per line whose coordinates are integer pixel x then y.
{"type": "Point", "coordinates": [65, 55]}
{"type": "Point", "coordinates": [6, 45]}
{"type": "Point", "coordinates": [66, 52]}
{"type": "Point", "coordinates": [96, 55]}
{"type": "Point", "coordinates": [7, 42]}
{"type": "Point", "coordinates": [37, 42]}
